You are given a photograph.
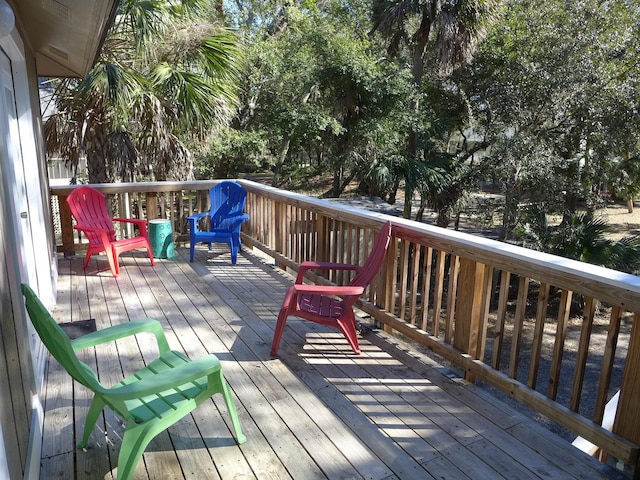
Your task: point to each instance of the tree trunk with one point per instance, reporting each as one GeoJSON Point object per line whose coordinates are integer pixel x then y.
{"type": "Point", "coordinates": [284, 151]}
{"type": "Point", "coordinates": [420, 39]}
{"type": "Point", "coordinates": [630, 203]}
{"type": "Point", "coordinates": [444, 218]}
{"type": "Point", "coordinates": [97, 168]}
{"type": "Point", "coordinates": [394, 191]}
{"type": "Point", "coordinates": [421, 209]}
{"type": "Point", "coordinates": [510, 215]}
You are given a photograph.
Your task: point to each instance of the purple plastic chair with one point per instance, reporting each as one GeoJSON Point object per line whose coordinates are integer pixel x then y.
{"type": "Point", "coordinates": [332, 305]}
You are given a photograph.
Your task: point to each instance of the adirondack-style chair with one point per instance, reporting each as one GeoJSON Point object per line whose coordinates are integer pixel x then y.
{"type": "Point", "coordinates": [226, 217]}
{"type": "Point", "coordinates": [89, 208]}
{"type": "Point", "coordinates": [149, 401]}
{"type": "Point", "coordinates": [332, 305]}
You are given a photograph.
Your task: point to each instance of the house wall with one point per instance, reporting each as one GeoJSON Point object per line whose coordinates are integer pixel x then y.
{"type": "Point", "coordinates": [26, 256]}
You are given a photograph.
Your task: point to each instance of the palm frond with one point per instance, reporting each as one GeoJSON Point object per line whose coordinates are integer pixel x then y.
{"type": "Point", "coordinates": [198, 102]}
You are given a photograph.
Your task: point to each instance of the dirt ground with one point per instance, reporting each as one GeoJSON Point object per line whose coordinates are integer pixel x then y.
{"type": "Point", "coordinates": [621, 222]}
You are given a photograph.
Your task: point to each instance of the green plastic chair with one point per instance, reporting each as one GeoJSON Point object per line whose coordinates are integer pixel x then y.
{"type": "Point", "coordinates": [152, 399]}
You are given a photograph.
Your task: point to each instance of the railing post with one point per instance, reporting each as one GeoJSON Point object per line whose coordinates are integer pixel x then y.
{"type": "Point", "coordinates": [627, 422]}
{"type": "Point", "coordinates": [280, 231]}
{"type": "Point", "coordinates": [66, 226]}
{"type": "Point", "coordinates": [321, 241]}
{"type": "Point", "coordinates": [469, 306]}
{"type": "Point", "coordinates": [152, 205]}
{"type": "Point", "coordinates": [124, 210]}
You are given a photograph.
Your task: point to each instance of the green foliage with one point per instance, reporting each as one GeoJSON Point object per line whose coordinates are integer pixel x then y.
{"type": "Point", "coordinates": [230, 153]}
{"type": "Point", "coordinates": [316, 91]}
{"type": "Point", "coordinates": [625, 176]}
{"type": "Point", "coordinates": [166, 74]}
{"type": "Point", "coordinates": [584, 238]}
{"type": "Point", "coordinates": [555, 89]}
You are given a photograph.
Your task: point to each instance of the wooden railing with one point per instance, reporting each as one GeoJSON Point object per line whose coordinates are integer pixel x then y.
{"type": "Point", "coordinates": [525, 322]}
{"type": "Point", "coordinates": [174, 201]}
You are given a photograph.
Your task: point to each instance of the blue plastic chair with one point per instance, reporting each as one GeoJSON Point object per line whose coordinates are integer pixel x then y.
{"type": "Point", "coordinates": [225, 219]}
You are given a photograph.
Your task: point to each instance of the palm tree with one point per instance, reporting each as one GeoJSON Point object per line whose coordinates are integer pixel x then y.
{"type": "Point", "coordinates": [166, 73]}
{"type": "Point", "coordinates": [627, 179]}
{"type": "Point", "coordinates": [583, 237]}
{"type": "Point", "coordinates": [448, 30]}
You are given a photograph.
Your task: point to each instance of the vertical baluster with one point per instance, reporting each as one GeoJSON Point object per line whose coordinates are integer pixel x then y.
{"type": "Point", "coordinates": [558, 346]}
{"type": "Point", "coordinates": [438, 292]}
{"type": "Point", "coordinates": [294, 232]}
{"type": "Point", "coordinates": [413, 287]}
{"type": "Point", "coordinates": [454, 268]}
{"type": "Point", "coordinates": [498, 332]}
{"type": "Point", "coordinates": [339, 250]}
{"type": "Point", "coordinates": [427, 257]}
{"type": "Point", "coordinates": [608, 359]}
{"type": "Point", "coordinates": [349, 254]}
{"type": "Point", "coordinates": [404, 275]}
{"type": "Point", "coordinates": [388, 287]}
{"type": "Point", "coordinates": [536, 348]}
{"type": "Point", "coordinates": [484, 313]}
{"type": "Point", "coordinates": [583, 353]}
{"type": "Point", "coordinates": [518, 325]}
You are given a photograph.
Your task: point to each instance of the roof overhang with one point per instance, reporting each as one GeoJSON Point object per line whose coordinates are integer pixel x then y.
{"type": "Point", "coordinates": [65, 35]}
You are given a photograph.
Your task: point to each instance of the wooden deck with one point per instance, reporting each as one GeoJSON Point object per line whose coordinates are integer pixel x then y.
{"type": "Point", "coordinates": [316, 412]}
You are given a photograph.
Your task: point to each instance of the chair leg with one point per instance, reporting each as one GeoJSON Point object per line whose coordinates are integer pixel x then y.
{"type": "Point", "coordinates": [223, 388]}
{"type": "Point", "coordinates": [236, 246]}
{"type": "Point", "coordinates": [192, 249]}
{"type": "Point", "coordinates": [347, 325]}
{"type": "Point", "coordinates": [112, 256]}
{"type": "Point", "coordinates": [150, 252]}
{"type": "Point", "coordinates": [87, 258]}
{"type": "Point", "coordinates": [234, 251]}
{"type": "Point", "coordinates": [134, 441]}
{"type": "Point", "coordinates": [235, 238]}
{"type": "Point", "coordinates": [282, 321]}
{"type": "Point", "coordinates": [97, 405]}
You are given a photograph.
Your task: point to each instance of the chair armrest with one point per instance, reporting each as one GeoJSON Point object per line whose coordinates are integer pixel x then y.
{"type": "Point", "coordinates": [193, 221]}
{"type": "Point", "coordinates": [141, 223]}
{"type": "Point", "coordinates": [241, 217]}
{"type": "Point", "coordinates": [198, 216]}
{"type": "Point", "coordinates": [137, 221]}
{"type": "Point", "coordinates": [342, 291]}
{"type": "Point", "coordinates": [185, 373]}
{"type": "Point", "coordinates": [123, 330]}
{"type": "Point", "coordinates": [310, 265]}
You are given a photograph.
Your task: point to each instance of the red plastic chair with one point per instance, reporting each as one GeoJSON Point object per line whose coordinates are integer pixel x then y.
{"type": "Point", "coordinates": [89, 208]}
{"type": "Point", "coordinates": [318, 303]}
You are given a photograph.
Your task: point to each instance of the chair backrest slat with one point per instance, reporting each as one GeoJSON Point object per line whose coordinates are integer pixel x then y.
{"type": "Point", "coordinates": [56, 341]}
{"type": "Point", "coordinates": [227, 199]}
{"type": "Point", "coordinates": [89, 207]}
{"type": "Point", "coordinates": [376, 257]}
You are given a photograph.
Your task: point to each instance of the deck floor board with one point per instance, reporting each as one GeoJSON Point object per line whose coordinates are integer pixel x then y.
{"type": "Point", "coordinates": [315, 412]}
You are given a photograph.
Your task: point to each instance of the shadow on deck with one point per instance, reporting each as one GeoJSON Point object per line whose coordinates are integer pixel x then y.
{"type": "Point", "coordinates": [318, 411]}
